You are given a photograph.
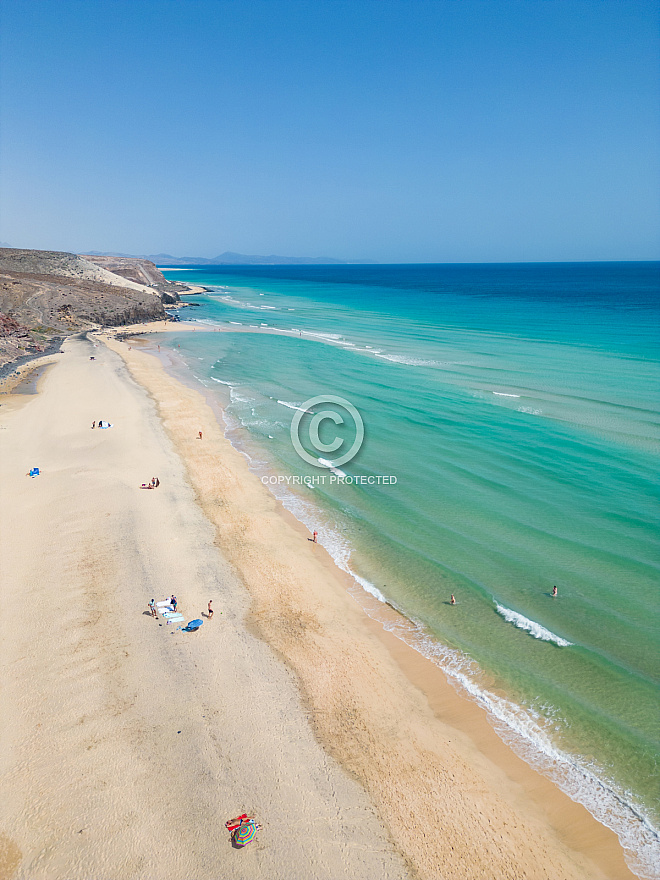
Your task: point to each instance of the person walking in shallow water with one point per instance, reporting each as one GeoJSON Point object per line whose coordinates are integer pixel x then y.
{"type": "Point", "coordinates": [554, 592]}
{"type": "Point", "coordinates": [452, 601]}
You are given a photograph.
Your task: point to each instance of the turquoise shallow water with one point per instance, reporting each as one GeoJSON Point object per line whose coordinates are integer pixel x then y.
{"type": "Point", "coordinates": [517, 407]}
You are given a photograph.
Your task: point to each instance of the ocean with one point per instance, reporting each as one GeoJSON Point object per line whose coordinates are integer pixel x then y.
{"type": "Point", "coordinates": [511, 421]}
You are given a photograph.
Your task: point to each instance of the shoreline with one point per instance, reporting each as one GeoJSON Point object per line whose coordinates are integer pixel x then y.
{"type": "Point", "coordinates": [563, 777]}
{"type": "Point", "coordinates": [21, 372]}
{"type": "Point", "coordinates": [600, 844]}
{"type": "Point", "coordinates": [20, 364]}
{"type": "Point", "coordinates": [574, 824]}
{"type": "Point", "coordinates": [127, 744]}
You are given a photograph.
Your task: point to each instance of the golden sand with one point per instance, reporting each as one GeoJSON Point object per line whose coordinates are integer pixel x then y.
{"type": "Point", "coordinates": [126, 745]}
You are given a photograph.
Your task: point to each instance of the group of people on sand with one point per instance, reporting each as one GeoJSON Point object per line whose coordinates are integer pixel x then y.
{"type": "Point", "coordinates": [174, 602]}
{"type": "Point", "coordinates": [154, 484]}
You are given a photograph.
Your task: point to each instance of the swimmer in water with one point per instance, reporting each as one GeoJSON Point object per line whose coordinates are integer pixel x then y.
{"type": "Point", "coordinates": [554, 592]}
{"type": "Point", "coordinates": [452, 601]}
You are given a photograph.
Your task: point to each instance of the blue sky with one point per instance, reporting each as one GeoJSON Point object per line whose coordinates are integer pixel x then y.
{"type": "Point", "coordinates": [393, 130]}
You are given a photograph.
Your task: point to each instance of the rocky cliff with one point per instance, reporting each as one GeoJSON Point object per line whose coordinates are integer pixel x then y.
{"type": "Point", "coordinates": [140, 271]}
{"type": "Point", "coordinates": [48, 294]}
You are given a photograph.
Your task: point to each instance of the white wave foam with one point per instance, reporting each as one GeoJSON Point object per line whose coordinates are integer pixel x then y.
{"type": "Point", "coordinates": [366, 585]}
{"type": "Point", "coordinates": [236, 397]}
{"type": "Point", "coordinates": [294, 406]}
{"type": "Point", "coordinates": [230, 300]}
{"type": "Point", "coordinates": [531, 626]}
{"type": "Point", "coordinates": [530, 410]}
{"type": "Point", "coordinates": [222, 381]}
{"type": "Point", "coordinates": [236, 323]}
{"type": "Point", "coordinates": [504, 394]}
{"type": "Point", "coordinates": [203, 322]}
{"type": "Point", "coordinates": [523, 730]}
{"type": "Point", "coordinates": [328, 464]}
{"type": "Point", "coordinates": [329, 538]}
{"type": "Point", "coordinates": [331, 336]}
{"type": "Point", "coordinates": [409, 361]}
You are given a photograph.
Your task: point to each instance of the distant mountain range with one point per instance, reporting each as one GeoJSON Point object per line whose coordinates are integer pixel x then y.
{"type": "Point", "coordinates": [230, 259]}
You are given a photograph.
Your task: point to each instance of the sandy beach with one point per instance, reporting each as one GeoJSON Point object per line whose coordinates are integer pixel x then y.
{"type": "Point", "coordinates": [125, 743]}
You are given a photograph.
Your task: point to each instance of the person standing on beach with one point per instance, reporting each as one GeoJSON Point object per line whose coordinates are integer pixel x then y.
{"type": "Point", "coordinates": [210, 609]}
{"type": "Point", "coordinates": [152, 608]}
{"type": "Point", "coordinates": [200, 435]}
{"type": "Point", "coordinates": [316, 537]}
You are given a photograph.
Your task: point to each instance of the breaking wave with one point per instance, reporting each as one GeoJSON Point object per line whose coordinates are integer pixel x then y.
{"type": "Point", "coordinates": [532, 627]}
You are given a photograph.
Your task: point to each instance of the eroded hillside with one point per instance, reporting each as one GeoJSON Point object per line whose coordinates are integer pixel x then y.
{"type": "Point", "coordinates": [45, 295]}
